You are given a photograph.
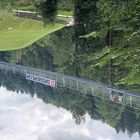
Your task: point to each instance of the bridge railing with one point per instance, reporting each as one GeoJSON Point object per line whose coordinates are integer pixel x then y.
{"type": "Point", "coordinates": [77, 84]}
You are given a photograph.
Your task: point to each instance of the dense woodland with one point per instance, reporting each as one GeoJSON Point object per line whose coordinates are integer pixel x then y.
{"type": "Point", "coordinates": [114, 29]}
{"type": "Point", "coordinates": [106, 38]}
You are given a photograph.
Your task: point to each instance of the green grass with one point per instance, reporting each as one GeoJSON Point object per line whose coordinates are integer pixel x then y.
{"type": "Point", "coordinates": [25, 8]}
{"type": "Point", "coordinates": [64, 12]}
{"type": "Point", "coordinates": [24, 32]}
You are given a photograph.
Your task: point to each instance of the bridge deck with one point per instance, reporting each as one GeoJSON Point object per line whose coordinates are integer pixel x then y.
{"type": "Point", "coordinates": [77, 84]}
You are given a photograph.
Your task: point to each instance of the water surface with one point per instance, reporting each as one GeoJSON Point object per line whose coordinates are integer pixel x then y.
{"type": "Point", "coordinates": [31, 118]}
{"type": "Point", "coordinates": [32, 111]}
{"type": "Point", "coordinates": [37, 112]}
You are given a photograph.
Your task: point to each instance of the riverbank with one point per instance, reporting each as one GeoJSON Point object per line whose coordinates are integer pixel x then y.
{"type": "Point", "coordinates": [17, 33]}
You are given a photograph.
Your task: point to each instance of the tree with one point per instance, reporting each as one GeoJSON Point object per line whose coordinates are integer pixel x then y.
{"type": "Point", "coordinates": [47, 9]}
{"type": "Point", "coordinates": [119, 28]}
{"type": "Point", "coordinates": [67, 5]}
{"type": "Point", "coordinates": [6, 4]}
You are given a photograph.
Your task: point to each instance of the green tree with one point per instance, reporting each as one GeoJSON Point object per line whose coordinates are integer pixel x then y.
{"type": "Point", "coordinates": [7, 4]}
{"type": "Point", "coordinates": [47, 9]}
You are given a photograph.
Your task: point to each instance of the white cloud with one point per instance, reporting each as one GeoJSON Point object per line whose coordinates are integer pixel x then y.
{"type": "Point", "coordinates": [26, 118]}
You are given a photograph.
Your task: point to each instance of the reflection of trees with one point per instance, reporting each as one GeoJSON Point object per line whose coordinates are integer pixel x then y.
{"type": "Point", "coordinates": [64, 51]}
{"type": "Point", "coordinates": [129, 121]}
{"type": "Point", "coordinates": [110, 112]}
{"type": "Point", "coordinates": [5, 56]}
{"type": "Point", "coordinates": [34, 56]}
{"type": "Point", "coordinates": [38, 57]}
{"type": "Point", "coordinates": [120, 117]}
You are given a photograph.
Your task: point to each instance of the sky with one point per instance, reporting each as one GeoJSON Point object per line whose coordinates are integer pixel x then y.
{"type": "Point", "coordinates": [26, 118]}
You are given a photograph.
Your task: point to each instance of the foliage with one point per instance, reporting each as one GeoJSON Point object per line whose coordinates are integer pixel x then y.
{"type": "Point", "coordinates": [7, 4]}
{"type": "Point", "coordinates": [121, 117]}
{"type": "Point", "coordinates": [66, 5]}
{"type": "Point", "coordinates": [47, 9]}
{"type": "Point", "coordinates": [106, 35]}
{"type": "Point", "coordinates": [119, 27]}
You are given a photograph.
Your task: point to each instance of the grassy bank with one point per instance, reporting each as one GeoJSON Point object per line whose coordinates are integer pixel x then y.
{"type": "Point", "coordinates": [64, 12]}
{"type": "Point", "coordinates": [16, 33]}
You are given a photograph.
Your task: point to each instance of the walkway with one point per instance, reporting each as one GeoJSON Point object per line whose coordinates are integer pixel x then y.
{"type": "Point", "coordinates": [77, 84]}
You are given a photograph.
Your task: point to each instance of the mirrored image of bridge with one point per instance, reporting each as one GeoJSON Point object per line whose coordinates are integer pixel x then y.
{"type": "Point", "coordinates": [85, 87]}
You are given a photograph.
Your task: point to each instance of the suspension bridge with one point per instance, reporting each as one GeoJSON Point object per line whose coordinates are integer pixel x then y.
{"type": "Point", "coordinates": [85, 87]}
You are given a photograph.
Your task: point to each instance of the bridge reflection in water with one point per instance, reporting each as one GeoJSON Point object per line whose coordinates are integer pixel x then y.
{"type": "Point", "coordinates": [85, 87]}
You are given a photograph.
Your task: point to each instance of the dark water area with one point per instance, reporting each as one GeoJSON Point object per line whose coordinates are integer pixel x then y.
{"type": "Point", "coordinates": [34, 111]}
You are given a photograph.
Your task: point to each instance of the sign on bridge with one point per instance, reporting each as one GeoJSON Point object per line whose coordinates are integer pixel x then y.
{"type": "Point", "coordinates": [41, 80]}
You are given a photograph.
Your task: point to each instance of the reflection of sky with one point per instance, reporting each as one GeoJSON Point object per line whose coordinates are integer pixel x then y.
{"type": "Point", "coordinates": [26, 118]}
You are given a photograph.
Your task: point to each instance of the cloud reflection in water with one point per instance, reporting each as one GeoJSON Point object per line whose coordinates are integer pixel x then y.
{"type": "Point", "coordinates": [26, 118]}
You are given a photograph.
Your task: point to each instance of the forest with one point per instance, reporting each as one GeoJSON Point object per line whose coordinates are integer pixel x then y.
{"type": "Point", "coordinates": [106, 35]}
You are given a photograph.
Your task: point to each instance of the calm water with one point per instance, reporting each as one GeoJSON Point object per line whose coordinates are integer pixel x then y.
{"type": "Point", "coordinates": [31, 111]}
{"type": "Point", "coordinates": [50, 116]}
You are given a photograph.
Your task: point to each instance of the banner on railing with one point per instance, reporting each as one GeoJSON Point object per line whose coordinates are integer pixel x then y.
{"type": "Point", "coordinates": [41, 80]}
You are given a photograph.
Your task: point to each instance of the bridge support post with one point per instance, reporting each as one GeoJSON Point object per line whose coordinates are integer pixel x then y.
{"type": "Point", "coordinates": [6, 70]}
{"type": "Point", "coordinates": [85, 90]}
{"type": "Point", "coordinates": [103, 94]}
{"type": "Point", "coordinates": [124, 98]}
{"type": "Point", "coordinates": [92, 90]}
{"type": "Point", "coordinates": [56, 83]}
{"type": "Point", "coordinates": [70, 85]}
{"type": "Point", "coordinates": [130, 101]}
{"type": "Point", "coordinates": [77, 85]}
{"type": "Point", "coordinates": [13, 70]}
{"type": "Point", "coordinates": [64, 84]}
